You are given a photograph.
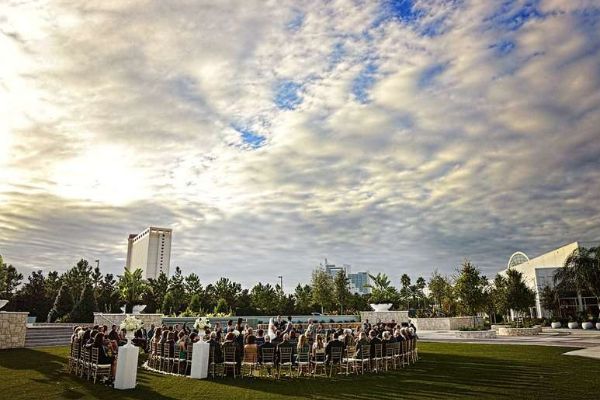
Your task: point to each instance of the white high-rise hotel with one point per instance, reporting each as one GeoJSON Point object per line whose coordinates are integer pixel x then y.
{"type": "Point", "coordinates": [150, 251]}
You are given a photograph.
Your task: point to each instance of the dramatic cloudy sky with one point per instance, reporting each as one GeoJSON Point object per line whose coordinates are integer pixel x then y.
{"type": "Point", "coordinates": [392, 136]}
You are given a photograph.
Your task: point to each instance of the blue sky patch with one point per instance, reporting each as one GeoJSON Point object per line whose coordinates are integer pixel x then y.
{"type": "Point", "coordinates": [430, 74]}
{"type": "Point", "coordinates": [512, 19]}
{"type": "Point", "coordinates": [503, 47]}
{"type": "Point", "coordinates": [287, 95]}
{"type": "Point", "coordinates": [364, 82]}
{"type": "Point", "coordinates": [251, 139]}
{"type": "Point", "coordinates": [296, 22]}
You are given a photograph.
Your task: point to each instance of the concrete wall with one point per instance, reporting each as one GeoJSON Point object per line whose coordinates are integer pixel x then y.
{"type": "Point", "coordinates": [13, 328]}
{"type": "Point", "coordinates": [476, 334]}
{"type": "Point", "coordinates": [505, 331]}
{"type": "Point", "coordinates": [384, 316]}
{"type": "Point", "coordinates": [116, 319]}
{"type": "Point", "coordinates": [445, 324]}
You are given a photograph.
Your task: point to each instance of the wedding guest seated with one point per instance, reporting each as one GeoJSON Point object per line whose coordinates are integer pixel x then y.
{"type": "Point", "coordinates": [302, 346]}
{"type": "Point", "coordinates": [374, 340]}
{"type": "Point", "coordinates": [250, 349]}
{"type": "Point", "coordinates": [362, 341]}
{"type": "Point", "coordinates": [266, 345]}
{"type": "Point", "coordinates": [260, 338]}
{"type": "Point", "coordinates": [215, 346]}
{"type": "Point", "coordinates": [139, 340]}
{"type": "Point", "coordinates": [284, 343]}
{"type": "Point", "coordinates": [318, 347]}
{"type": "Point", "coordinates": [75, 334]}
{"type": "Point", "coordinates": [182, 342]}
{"type": "Point", "coordinates": [103, 357]}
{"type": "Point", "coordinates": [335, 343]}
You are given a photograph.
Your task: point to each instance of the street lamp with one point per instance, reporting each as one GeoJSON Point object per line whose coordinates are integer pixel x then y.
{"type": "Point", "coordinates": [98, 264]}
{"type": "Point", "coordinates": [280, 282]}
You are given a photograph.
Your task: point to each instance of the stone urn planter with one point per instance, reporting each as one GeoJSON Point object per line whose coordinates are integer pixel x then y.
{"type": "Point", "coordinates": [381, 307]}
{"type": "Point", "coordinates": [573, 325]}
{"type": "Point", "coordinates": [556, 325]}
{"type": "Point", "coordinates": [587, 325]}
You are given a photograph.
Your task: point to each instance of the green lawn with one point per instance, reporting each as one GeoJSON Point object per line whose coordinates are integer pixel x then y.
{"type": "Point", "coordinates": [446, 370]}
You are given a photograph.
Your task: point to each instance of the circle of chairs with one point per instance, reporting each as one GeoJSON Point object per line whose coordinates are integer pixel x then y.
{"type": "Point", "coordinates": [276, 363]}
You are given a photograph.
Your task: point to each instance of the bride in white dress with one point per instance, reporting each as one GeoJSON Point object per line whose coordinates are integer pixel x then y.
{"type": "Point", "coordinates": [272, 333]}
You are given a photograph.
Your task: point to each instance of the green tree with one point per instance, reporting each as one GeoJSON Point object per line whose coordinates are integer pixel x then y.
{"type": "Point", "coordinates": [221, 307]}
{"type": "Point", "coordinates": [32, 296]}
{"type": "Point", "coordinates": [519, 297]}
{"type": "Point", "coordinates": [580, 272]}
{"type": "Point", "coordinates": [440, 289]}
{"type": "Point", "coordinates": [469, 289]}
{"type": "Point", "coordinates": [77, 278]}
{"type": "Point", "coordinates": [498, 298]}
{"type": "Point", "coordinates": [177, 288]}
{"type": "Point", "coordinates": [549, 300]}
{"type": "Point", "coordinates": [107, 295]}
{"type": "Point", "coordinates": [322, 288]}
{"type": "Point", "coordinates": [193, 285]}
{"type": "Point", "coordinates": [244, 303]}
{"type": "Point", "coordinates": [155, 292]}
{"type": "Point", "coordinates": [169, 305]}
{"type": "Point", "coordinates": [341, 291]}
{"type": "Point", "coordinates": [195, 304]}
{"type": "Point", "coordinates": [382, 290]}
{"type": "Point", "coordinates": [86, 306]}
{"type": "Point", "coordinates": [10, 279]}
{"type": "Point", "coordinates": [263, 299]}
{"type": "Point", "coordinates": [63, 304]}
{"type": "Point", "coordinates": [304, 299]}
{"type": "Point", "coordinates": [228, 291]}
{"type": "Point", "coordinates": [405, 292]}
{"type": "Point", "coordinates": [131, 286]}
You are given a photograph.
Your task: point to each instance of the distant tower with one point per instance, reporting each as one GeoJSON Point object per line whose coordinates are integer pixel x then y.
{"type": "Point", "coordinates": [150, 251]}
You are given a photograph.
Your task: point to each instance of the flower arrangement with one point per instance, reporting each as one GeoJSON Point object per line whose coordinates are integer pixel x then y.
{"type": "Point", "coordinates": [218, 315]}
{"type": "Point", "coordinates": [201, 323]}
{"type": "Point", "coordinates": [131, 323]}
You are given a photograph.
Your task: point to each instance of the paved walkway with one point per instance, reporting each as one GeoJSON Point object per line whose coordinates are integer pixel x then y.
{"type": "Point", "coordinates": [587, 342]}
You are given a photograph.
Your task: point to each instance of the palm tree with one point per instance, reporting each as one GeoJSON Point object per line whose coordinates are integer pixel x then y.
{"type": "Point", "coordinates": [131, 287]}
{"type": "Point", "coordinates": [382, 290]}
{"type": "Point", "coordinates": [581, 272]}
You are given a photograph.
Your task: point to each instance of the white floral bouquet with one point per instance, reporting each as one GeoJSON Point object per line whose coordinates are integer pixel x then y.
{"type": "Point", "coordinates": [201, 323]}
{"type": "Point", "coordinates": [131, 323]}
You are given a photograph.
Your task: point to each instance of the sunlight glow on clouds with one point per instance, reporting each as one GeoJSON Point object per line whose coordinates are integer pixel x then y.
{"type": "Point", "coordinates": [395, 136]}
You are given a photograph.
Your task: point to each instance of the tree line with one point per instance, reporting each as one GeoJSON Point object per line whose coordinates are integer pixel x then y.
{"type": "Point", "coordinates": [75, 294]}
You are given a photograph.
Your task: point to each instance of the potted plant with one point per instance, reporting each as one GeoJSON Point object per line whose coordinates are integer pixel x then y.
{"type": "Point", "coordinates": [573, 324]}
{"type": "Point", "coordinates": [555, 324]}
{"type": "Point", "coordinates": [589, 324]}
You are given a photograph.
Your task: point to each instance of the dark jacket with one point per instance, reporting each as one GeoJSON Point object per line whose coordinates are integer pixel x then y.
{"type": "Point", "coordinates": [331, 345]}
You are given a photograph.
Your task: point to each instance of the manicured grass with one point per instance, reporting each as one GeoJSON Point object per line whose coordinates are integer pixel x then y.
{"type": "Point", "coordinates": [446, 370]}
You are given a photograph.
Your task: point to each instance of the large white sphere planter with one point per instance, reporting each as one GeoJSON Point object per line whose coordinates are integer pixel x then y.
{"type": "Point", "coordinates": [587, 325]}
{"type": "Point", "coordinates": [598, 325]}
{"type": "Point", "coordinates": [573, 325]}
{"type": "Point", "coordinates": [555, 325]}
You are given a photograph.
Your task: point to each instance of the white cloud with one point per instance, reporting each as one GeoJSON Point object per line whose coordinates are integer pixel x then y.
{"type": "Point", "coordinates": [475, 137]}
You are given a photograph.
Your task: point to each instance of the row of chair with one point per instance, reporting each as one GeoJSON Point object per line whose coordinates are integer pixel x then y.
{"type": "Point", "coordinates": [83, 362]}
{"type": "Point", "coordinates": [397, 355]}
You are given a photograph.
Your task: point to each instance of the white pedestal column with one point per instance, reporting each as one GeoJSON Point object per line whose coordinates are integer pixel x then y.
{"type": "Point", "coordinates": [200, 360]}
{"type": "Point", "coordinates": [127, 364]}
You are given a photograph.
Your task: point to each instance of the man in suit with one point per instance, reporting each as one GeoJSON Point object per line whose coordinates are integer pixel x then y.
{"type": "Point", "coordinates": [266, 345]}
{"type": "Point", "coordinates": [335, 343]}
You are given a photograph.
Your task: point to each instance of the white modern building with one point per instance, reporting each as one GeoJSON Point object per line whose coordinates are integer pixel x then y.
{"type": "Point", "coordinates": [150, 251]}
{"type": "Point", "coordinates": [358, 280]}
{"type": "Point", "coordinates": [538, 273]}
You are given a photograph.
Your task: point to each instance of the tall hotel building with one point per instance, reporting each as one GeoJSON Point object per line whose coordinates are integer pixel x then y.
{"type": "Point", "coordinates": [150, 251]}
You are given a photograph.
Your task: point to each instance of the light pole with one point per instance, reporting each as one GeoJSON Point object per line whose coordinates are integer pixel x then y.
{"type": "Point", "coordinates": [98, 264]}
{"type": "Point", "coordinates": [281, 282]}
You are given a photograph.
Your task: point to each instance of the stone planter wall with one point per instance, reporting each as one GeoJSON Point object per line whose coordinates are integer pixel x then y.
{"type": "Point", "coordinates": [13, 328]}
{"type": "Point", "coordinates": [116, 319]}
{"type": "Point", "coordinates": [505, 331]}
{"type": "Point", "coordinates": [445, 324]}
{"type": "Point", "coordinates": [491, 334]}
{"type": "Point", "coordinates": [385, 316]}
